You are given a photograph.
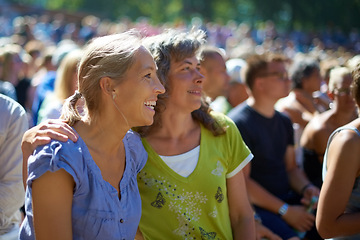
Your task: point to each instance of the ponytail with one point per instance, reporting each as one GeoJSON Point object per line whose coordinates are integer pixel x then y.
{"type": "Point", "coordinates": [69, 110]}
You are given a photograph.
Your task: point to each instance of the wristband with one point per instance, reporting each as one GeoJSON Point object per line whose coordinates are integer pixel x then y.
{"type": "Point", "coordinates": [283, 209]}
{"type": "Point", "coordinates": [257, 218]}
{"type": "Point", "coordinates": [305, 187]}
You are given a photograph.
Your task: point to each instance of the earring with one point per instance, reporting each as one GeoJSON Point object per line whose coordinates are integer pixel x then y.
{"type": "Point", "coordinates": [114, 95]}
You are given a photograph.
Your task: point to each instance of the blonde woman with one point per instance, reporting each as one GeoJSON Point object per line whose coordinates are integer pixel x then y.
{"type": "Point", "coordinates": [88, 189]}
{"type": "Point", "coordinates": [65, 86]}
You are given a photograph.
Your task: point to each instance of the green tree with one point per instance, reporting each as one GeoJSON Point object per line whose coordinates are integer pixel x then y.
{"type": "Point", "coordinates": [287, 14]}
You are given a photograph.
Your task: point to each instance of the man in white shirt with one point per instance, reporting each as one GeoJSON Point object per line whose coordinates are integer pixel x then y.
{"type": "Point", "coordinates": [13, 124]}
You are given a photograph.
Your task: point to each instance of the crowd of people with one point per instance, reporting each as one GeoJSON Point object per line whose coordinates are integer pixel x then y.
{"type": "Point", "coordinates": [195, 131]}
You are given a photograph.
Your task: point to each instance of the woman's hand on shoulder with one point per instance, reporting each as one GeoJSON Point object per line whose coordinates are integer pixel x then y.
{"type": "Point", "coordinates": [43, 133]}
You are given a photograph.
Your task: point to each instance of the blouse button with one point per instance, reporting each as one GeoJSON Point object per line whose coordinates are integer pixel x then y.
{"type": "Point", "coordinates": [121, 220]}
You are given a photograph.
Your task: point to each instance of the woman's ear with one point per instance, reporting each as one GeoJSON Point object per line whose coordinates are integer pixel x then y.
{"type": "Point", "coordinates": [106, 86]}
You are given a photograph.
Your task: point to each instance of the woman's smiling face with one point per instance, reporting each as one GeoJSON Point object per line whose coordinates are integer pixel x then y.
{"type": "Point", "coordinates": [136, 96]}
{"type": "Point", "coordinates": [185, 85]}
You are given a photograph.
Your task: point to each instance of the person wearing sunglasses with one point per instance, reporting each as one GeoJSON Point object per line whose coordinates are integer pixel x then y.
{"type": "Point", "coordinates": [316, 133]}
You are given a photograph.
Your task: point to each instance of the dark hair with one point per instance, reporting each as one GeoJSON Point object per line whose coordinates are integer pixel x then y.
{"type": "Point", "coordinates": [355, 85]}
{"type": "Point", "coordinates": [302, 69]}
{"type": "Point", "coordinates": [176, 45]}
{"type": "Point", "coordinates": [257, 65]}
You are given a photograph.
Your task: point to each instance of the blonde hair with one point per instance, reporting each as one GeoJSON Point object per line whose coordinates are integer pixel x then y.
{"type": "Point", "coordinates": [65, 75]}
{"type": "Point", "coordinates": [355, 85]}
{"type": "Point", "coordinates": [109, 56]}
{"type": "Point", "coordinates": [10, 51]}
{"type": "Point", "coordinates": [337, 74]}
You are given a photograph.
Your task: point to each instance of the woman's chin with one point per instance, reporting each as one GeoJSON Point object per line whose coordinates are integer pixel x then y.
{"type": "Point", "coordinates": [148, 122]}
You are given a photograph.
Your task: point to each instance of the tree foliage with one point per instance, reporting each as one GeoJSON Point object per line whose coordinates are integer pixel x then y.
{"type": "Point", "coordinates": [289, 14]}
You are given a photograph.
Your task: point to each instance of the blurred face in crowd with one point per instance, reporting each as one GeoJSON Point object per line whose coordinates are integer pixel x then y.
{"type": "Point", "coordinates": [314, 81]}
{"type": "Point", "coordinates": [276, 82]}
{"type": "Point", "coordinates": [216, 81]}
{"type": "Point", "coordinates": [17, 63]}
{"type": "Point", "coordinates": [342, 94]}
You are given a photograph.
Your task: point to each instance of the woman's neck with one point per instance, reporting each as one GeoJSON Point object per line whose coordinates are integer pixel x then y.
{"type": "Point", "coordinates": [176, 125]}
{"type": "Point", "coordinates": [101, 136]}
{"type": "Point", "coordinates": [177, 134]}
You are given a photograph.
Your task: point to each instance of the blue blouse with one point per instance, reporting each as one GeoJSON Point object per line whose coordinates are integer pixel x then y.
{"type": "Point", "coordinates": [97, 211]}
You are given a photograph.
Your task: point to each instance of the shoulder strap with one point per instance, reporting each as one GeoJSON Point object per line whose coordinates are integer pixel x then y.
{"type": "Point", "coordinates": [324, 170]}
{"type": "Point", "coordinates": [338, 130]}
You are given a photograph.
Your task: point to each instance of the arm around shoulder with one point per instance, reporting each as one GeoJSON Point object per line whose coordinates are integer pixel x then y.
{"type": "Point", "coordinates": [42, 134]}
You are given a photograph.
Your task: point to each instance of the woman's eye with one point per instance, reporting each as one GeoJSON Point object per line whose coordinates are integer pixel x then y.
{"type": "Point", "coordinates": [148, 75]}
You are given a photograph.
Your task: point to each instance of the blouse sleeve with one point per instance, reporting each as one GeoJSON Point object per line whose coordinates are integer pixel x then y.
{"type": "Point", "coordinates": [237, 152]}
{"type": "Point", "coordinates": [54, 156]}
{"type": "Point", "coordinates": [137, 150]}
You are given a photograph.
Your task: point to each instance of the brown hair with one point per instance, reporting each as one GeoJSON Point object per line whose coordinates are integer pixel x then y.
{"type": "Point", "coordinates": [65, 74]}
{"type": "Point", "coordinates": [257, 65]}
{"type": "Point", "coordinates": [355, 85]}
{"type": "Point", "coordinates": [177, 45]}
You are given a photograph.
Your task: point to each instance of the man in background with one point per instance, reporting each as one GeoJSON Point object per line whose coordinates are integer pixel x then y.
{"type": "Point", "coordinates": [277, 187]}
{"type": "Point", "coordinates": [223, 83]}
{"type": "Point", "coordinates": [13, 124]}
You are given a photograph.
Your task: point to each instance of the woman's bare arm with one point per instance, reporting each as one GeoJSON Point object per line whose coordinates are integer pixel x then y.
{"type": "Point", "coordinates": [52, 195]}
{"type": "Point", "coordinates": [343, 167]}
{"type": "Point", "coordinates": [241, 213]}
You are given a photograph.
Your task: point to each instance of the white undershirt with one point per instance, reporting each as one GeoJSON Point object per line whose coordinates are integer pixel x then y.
{"type": "Point", "coordinates": [183, 164]}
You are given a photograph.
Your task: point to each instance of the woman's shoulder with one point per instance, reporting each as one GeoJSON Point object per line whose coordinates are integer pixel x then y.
{"type": "Point", "coordinates": [58, 147]}
{"type": "Point", "coordinates": [221, 118]}
{"type": "Point", "coordinates": [136, 149]}
{"type": "Point", "coordinates": [133, 138]}
{"type": "Point", "coordinates": [344, 145]}
{"type": "Point", "coordinates": [348, 134]}
{"type": "Point", "coordinates": [345, 140]}
{"type": "Point", "coordinates": [56, 155]}
{"type": "Point", "coordinates": [225, 122]}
